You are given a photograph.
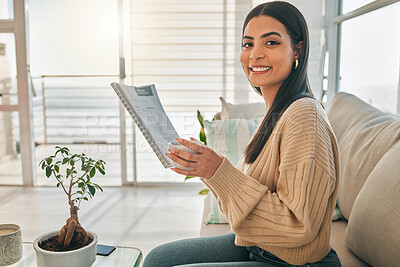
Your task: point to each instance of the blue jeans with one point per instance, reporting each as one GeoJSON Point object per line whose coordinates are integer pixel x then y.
{"type": "Point", "coordinates": [220, 251]}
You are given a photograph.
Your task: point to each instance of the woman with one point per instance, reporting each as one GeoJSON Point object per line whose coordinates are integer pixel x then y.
{"type": "Point", "coordinates": [280, 197]}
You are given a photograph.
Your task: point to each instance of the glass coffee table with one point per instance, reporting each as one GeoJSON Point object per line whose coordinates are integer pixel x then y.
{"type": "Point", "coordinates": [122, 256]}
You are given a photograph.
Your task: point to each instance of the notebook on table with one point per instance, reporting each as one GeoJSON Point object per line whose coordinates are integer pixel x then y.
{"type": "Point", "coordinates": [143, 104]}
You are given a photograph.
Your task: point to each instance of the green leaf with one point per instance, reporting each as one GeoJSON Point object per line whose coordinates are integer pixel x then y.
{"type": "Point", "coordinates": [57, 168]}
{"type": "Point", "coordinates": [101, 170]}
{"type": "Point", "coordinates": [200, 118]}
{"type": "Point", "coordinates": [80, 185]}
{"type": "Point", "coordinates": [43, 164]}
{"type": "Point", "coordinates": [49, 160]}
{"type": "Point", "coordinates": [68, 173]}
{"type": "Point", "coordinates": [65, 160]}
{"type": "Point", "coordinates": [85, 198]}
{"type": "Point", "coordinates": [92, 172]}
{"type": "Point", "coordinates": [98, 187]}
{"type": "Point", "coordinates": [202, 136]}
{"type": "Point", "coordinates": [58, 184]}
{"type": "Point", "coordinates": [72, 163]}
{"type": "Point", "coordinates": [48, 171]}
{"type": "Point", "coordinates": [58, 150]}
{"type": "Point", "coordinates": [204, 191]}
{"type": "Point", "coordinates": [189, 177]}
{"type": "Point", "coordinates": [92, 190]}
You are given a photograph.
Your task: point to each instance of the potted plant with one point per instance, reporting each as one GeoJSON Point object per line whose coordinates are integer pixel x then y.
{"type": "Point", "coordinates": [72, 245]}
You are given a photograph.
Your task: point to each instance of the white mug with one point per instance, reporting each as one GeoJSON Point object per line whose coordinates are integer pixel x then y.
{"type": "Point", "coordinates": [176, 145]}
{"type": "Point", "coordinates": [10, 244]}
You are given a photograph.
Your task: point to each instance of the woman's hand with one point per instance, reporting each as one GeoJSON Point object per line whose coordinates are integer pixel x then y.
{"type": "Point", "coordinates": [204, 163]}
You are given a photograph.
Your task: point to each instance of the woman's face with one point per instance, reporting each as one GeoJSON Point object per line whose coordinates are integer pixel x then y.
{"type": "Point", "coordinates": [267, 55]}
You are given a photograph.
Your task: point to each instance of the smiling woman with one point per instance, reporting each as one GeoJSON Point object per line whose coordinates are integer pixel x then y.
{"type": "Point", "coordinates": [267, 55]}
{"type": "Point", "coordinates": [279, 198]}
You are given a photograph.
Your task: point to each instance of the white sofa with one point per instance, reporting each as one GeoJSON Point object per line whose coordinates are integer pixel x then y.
{"type": "Point", "coordinates": [369, 191]}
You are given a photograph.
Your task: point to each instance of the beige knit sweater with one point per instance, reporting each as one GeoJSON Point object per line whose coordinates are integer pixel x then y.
{"type": "Point", "coordinates": [283, 202]}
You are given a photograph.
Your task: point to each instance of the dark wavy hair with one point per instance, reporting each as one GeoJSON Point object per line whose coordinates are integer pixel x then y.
{"type": "Point", "coordinates": [296, 85]}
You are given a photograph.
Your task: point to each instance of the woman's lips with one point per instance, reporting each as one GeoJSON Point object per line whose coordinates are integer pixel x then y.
{"type": "Point", "coordinates": [259, 69]}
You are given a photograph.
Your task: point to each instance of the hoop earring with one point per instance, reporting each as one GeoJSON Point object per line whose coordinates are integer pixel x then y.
{"type": "Point", "coordinates": [296, 63]}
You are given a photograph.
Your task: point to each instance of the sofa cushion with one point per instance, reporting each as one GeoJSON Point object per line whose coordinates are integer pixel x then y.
{"type": "Point", "coordinates": [212, 229]}
{"type": "Point", "coordinates": [241, 111]}
{"type": "Point", "coordinates": [215, 215]}
{"type": "Point", "coordinates": [338, 242]}
{"type": "Point", "coordinates": [373, 231]}
{"type": "Point", "coordinates": [230, 137]}
{"type": "Point", "coordinates": [364, 135]}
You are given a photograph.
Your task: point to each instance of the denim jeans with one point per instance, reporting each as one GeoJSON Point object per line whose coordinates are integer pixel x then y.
{"type": "Point", "coordinates": [219, 251]}
{"type": "Point", "coordinates": [261, 255]}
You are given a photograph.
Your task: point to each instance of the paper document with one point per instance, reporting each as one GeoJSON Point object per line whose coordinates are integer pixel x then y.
{"type": "Point", "coordinates": [144, 106]}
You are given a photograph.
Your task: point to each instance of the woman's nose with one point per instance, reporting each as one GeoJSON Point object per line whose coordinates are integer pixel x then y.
{"type": "Point", "coordinates": [256, 53]}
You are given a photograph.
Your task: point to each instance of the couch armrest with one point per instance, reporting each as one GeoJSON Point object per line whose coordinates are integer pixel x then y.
{"type": "Point", "coordinates": [212, 229]}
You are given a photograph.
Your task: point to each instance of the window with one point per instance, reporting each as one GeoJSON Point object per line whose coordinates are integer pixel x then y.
{"type": "Point", "coordinates": [190, 50]}
{"type": "Point", "coordinates": [186, 49]}
{"type": "Point", "coordinates": [349, 5]}
{"type": "Point", "coordinates": [370, 57]}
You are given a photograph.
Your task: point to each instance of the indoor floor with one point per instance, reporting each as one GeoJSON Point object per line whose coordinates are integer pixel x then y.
{"type": "Point", "coordinates": [141, 217]}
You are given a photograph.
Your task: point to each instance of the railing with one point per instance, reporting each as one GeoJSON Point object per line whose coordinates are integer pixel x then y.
{"type": "Point", "coordinates": [84, 108]}
{"type": "Point", "coordinates": [68, 110]}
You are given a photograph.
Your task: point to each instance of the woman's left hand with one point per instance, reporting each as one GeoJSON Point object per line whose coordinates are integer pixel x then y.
{"type": "Point", "coordinates": [204, 163]}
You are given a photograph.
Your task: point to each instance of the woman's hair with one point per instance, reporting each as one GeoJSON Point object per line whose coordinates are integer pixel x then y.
{"type": "Point", "coordinates": [296, 85]}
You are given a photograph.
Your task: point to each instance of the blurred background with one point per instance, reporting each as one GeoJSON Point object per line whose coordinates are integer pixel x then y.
{"type": "Point", "coordinates": [188, 49]}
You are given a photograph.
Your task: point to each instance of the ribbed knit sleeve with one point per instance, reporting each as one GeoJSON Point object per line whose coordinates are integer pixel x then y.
{"type": "Point", "coordinates": [289, 217]}
{"type": "Point", "coordinates": [292, 215]}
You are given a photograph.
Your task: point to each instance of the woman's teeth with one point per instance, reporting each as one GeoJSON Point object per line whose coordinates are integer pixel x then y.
{"type": "Point", "coordinates": [261, 69]}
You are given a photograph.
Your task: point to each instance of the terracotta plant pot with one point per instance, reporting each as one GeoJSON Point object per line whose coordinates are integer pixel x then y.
{"type": "Point", "coordinates": [82, 257]}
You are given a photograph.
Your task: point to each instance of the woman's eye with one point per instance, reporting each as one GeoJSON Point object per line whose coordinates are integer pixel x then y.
{"type": "Point", "coordinates": [247, 45]}
{"type": "Point", "coordinates": [271, 43]}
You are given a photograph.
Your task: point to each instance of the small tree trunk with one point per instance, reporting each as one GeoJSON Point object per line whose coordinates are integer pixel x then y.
{"type": "Point", "coordinates": [67, 232]}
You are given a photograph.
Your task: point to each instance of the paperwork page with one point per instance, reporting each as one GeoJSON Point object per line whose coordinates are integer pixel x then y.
{"type": "Point", "coordinates": [151, 116]}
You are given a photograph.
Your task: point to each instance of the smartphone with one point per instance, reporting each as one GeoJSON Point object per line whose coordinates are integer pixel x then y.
{"type": "Point", "coordinates": [104, 250]}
